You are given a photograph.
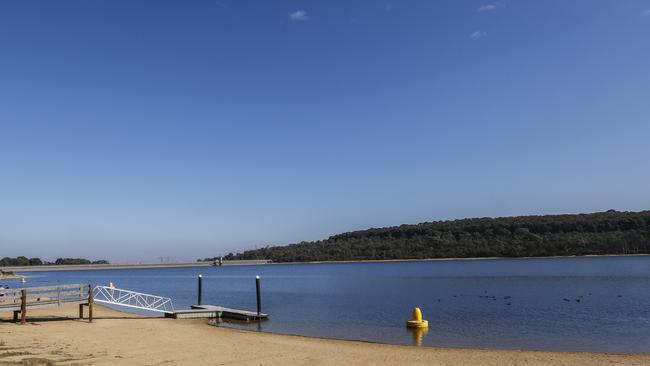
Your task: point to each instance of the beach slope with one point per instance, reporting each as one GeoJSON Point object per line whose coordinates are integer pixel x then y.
{"type": "Point", "coordinates": [54, 337]}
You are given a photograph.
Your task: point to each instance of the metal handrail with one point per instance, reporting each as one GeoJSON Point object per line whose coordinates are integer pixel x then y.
{"type": "Point", "coordinates": [137, 300]}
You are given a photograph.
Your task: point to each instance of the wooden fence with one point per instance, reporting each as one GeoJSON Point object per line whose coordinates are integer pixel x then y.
{"type": "Point", "coordinates": [19, 300]}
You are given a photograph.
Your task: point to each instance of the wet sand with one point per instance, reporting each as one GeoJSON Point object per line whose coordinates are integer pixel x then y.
{"type": "Point", "coordinates": [55, 337]}
{"type": "Point", "coordinates": [10, 277]}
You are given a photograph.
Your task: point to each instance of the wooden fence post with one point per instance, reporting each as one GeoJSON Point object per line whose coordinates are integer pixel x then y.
{"type": "Point", "coordinates": [23, 306]}
{"type": "Point", "coordinates": [90, 303]}
{"type": "Point", "coordinates": [81, 306]}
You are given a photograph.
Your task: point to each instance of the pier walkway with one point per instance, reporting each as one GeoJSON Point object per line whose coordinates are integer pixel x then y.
{"type": "Point", "coordinates": [137, 300]}
{"type": "Point", "coordinates": [218, 312]}
{"type": "Point", "coordinates": [20, 300]}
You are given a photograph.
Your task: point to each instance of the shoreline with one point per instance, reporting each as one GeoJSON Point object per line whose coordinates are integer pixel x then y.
{"type": "Point", "coordinates": [450, 348]}
{"type": "Point", "coordinates": [465, 259]}
{"type": "Point", "coordinates": [54, 336]}
{"type": "Point", "coordinates": [90, 267]}
{"type": "Point", "coordinates": [10, 276]}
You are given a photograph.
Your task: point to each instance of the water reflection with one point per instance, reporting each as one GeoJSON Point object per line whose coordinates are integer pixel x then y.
{"type": "Point", "coordinates": [418, 334]}
{"type": "Point", "coordinates": [241, 324]}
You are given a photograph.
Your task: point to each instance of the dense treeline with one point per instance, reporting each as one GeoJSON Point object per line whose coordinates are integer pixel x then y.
{"type": "Point", "coordinates": [600, 233]}
{"type": "Point", "coordinates": [24, 261]}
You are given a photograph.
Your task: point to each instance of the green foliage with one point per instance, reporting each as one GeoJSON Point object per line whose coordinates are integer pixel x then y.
{"type": "Point", "coordinates": [18, 261]}
{"type": "Point", "coordinates": [24, 261]}
{"type": "Point", "coordinates": [65, 261]}
{"type": "Point", "coordinates": [600, 233]}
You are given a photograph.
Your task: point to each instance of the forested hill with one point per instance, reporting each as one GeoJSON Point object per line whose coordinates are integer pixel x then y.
{"type": "Point", "coordinates": [608, 232]}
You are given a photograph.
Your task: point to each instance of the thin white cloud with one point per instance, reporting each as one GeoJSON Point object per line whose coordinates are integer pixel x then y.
{"type": "Point", "coordinates": [388, 6]}
{"type": "Point", "coordinates": [299, 16]}
{"type": "Point", "coordinates": [488, 7]}
{"type": "Point", "coordinates": [477, 35]}
{"type": "Point", "coordinates": [646, 13]}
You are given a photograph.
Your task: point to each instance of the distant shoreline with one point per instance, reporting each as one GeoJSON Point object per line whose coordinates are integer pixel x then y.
{"type": "Point", "coordinates": [10, 277]}
{"type": "Point", "coordinates": [467, 259]}
{"type": "Point", "coordinates": [598, 233]}
{"type": "Point", "coordinates": [89, 267]}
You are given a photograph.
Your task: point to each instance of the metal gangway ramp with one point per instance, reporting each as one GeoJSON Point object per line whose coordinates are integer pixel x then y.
{"type": "Point", "coordinates": [131, 299]}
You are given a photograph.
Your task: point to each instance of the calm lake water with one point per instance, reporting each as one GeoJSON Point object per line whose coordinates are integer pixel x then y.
{"type": "Point", "coordinates": [574, 304]}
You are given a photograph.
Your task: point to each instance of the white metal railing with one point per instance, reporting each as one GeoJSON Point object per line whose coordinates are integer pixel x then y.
{"type": "Point", "coordinates": [132, 299]}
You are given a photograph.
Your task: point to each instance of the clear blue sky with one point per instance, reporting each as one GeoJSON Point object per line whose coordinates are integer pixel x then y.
{"type": "Point", "coordinates": [132, 130]}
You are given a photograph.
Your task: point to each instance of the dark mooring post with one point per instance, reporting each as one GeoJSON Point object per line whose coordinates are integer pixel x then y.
{"type": "Point", "coordinates": [259, 301]}
{"type": "Point", "coordinates": [200, 294]}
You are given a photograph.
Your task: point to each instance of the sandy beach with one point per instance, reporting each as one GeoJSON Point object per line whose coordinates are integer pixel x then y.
{"type": "Point", "coordinates": [10, 277]}
{"type": "Point", "coordinates": [55, 337]}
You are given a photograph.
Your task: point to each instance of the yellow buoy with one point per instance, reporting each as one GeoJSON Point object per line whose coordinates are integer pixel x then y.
{"type": "Point", "coordinates": [416, 320]}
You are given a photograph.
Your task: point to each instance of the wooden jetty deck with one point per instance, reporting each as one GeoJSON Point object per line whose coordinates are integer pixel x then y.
{"type": "Point", "coordinates": [19, 300]}
{"type": "Point", "coordinates": [219, 312]}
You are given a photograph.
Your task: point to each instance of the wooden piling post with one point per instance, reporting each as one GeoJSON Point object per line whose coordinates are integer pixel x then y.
{"type": "Point", "coordinates": [259, 302]}
{"type": "Point", "coordinates": [90, 303]}
{"type": "Point", "coordinates": [200, 294]}
{"type": "Point", "coordinates": [81, 311]}
{"type": "Point", "coordinates": [16, 316]}
{"type": "Point", "coordinates": [23, 306]}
